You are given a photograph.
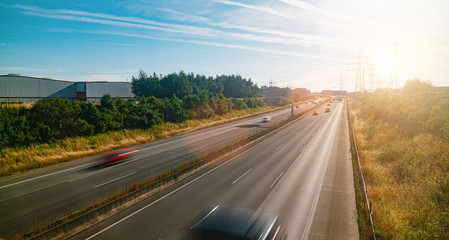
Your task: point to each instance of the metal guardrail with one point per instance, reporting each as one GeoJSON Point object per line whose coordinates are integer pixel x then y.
{"type": "Point", "coordinates": [364, 191]}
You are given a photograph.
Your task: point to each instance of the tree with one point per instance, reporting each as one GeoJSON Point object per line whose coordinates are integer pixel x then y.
{"type": "Point", "coordinates": [174, 111]}
{"type": "Point", "coordinates": [146, 85]}
{"type": "Point", "coordinates": [57, 118]}
{"type": "Point", "coordinates": [91, 114]}
{"type": "Point", "coordinates": [438, 121]}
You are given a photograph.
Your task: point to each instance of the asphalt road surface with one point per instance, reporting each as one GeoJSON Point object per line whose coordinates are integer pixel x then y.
{"type": "Point", "coordinates": [301, 172]}
{"type": "Point", "coordinates": [51, 192]}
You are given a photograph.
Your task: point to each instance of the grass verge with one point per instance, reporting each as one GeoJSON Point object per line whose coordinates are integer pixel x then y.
{"type": "Point", "coordinates": [15, 160]}
{"type": "Point", "coordinates": [406, 177]}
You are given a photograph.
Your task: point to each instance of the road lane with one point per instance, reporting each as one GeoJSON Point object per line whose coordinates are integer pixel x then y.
{"type": "Point", "coordinates": [288, 182]}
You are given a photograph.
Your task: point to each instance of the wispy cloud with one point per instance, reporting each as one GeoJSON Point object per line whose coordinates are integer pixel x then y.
{"type": "Point", "coordinates": [132, 22]}
{"type": "Point", "coordinates": [119, 44]}
{"type": "Point", "coordinates": [216, 44]}
{"type": "Point", "coordinates": [311, 8]}
{"type": "Point", "coordinates": [249, 34]}
{"type": "Point", "coordinates": [344, 22]}
{"type": "Point", "coordinates": [258, 8]}
{"type": "Point", "coordinates": [103, 77]}
{"type": "Point", "coordinates": [23, 69]}
{"type": "Point", "coordinates": [181, 16]}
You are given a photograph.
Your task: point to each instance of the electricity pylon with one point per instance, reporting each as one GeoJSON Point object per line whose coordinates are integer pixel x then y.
{"type": "Point", "coordinates": [394, 82]}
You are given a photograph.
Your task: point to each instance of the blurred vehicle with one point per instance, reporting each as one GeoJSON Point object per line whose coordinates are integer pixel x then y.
{"type": "Point", "coordinates": [315, 113]}
{"type": "Point", "coordinates": [266, 119]}
{"type": "Point", "coordinates": [327, 110]}
{"type": "Point", "coordinates": [328, 104]}
{"type": "Point", "coordinates": [297, 106]}
{"type": "Point", "coordinates": [117, 156]}
{"type": "Point", "coordinates": [225, 222]}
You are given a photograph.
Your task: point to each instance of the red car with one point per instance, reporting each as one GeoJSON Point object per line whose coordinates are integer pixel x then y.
{"type": "Point", "coordinates": [118, 156]}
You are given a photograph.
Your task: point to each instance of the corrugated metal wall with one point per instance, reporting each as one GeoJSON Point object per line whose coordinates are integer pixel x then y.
{"type": "Point", "coordinates": [29, 89]}
{"type": "Point", "coordinates": [94, 90]}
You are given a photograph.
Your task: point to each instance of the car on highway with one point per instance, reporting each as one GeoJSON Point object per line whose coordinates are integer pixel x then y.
{"type": "Point", "coordinates": [297, 106]}
{"type": "Point", "coordinates": [117, 156]}
{"type": "Point", "coordinates": [328, 104]}
{"type": "Point", "coordinates": [226, 222]}
{"type": "Point", "coordinates": [315, 113]}
{"type": "Point", "coordinates": [266, 119]}
{"type": "Point", "coordinates": [327, 110]}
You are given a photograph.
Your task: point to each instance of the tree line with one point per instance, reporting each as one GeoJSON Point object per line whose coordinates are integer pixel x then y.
{"type": "Point", "coordinates": [418, 107]}
{"type": "Point", "coordinates": [190, 86]}
{"type": "Point", "coordinates": [173, 98]}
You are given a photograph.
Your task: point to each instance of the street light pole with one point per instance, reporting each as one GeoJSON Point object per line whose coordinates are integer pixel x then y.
{"type": "Point", "coordinates": [291, 93]}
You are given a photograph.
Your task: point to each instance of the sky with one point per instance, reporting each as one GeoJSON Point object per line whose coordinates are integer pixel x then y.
{"type": "Point", "coordinates": [291, 43]}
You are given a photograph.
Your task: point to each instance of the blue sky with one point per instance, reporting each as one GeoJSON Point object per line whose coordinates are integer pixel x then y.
{"type": "Point", "coordinates": [293, 43]}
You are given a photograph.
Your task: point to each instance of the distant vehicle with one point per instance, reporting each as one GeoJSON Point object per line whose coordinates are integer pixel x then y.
{"type": "Point", "coordinates": [266, 119]}
{"type": "Point", "coordinates": [327, 110]}
{"type": "Point", "coordinates": [297, 106]}
{"type": "Point", "coordinates": [328, 104]}
{"type": "Point", "coordinates": [117, 156]}
{"type": "Point", "coordinates": [225, 222]}
{"type": "Point", "coordinates": [315, 113]}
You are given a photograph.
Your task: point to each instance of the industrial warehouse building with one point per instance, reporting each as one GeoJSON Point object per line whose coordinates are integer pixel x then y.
{"type": "Point", "coordinates": [20, 89]}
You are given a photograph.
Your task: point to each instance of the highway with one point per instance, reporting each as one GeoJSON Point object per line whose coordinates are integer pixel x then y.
{"type": "Point", "coordinates": [301, 172]}
{"type": "Point", "coordinates": [51, 192]}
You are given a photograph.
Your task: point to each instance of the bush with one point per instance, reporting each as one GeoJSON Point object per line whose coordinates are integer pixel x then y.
{"type": "Point", "coordinates": [238, 104]}
{"type": "Point", "coordinates": [203, 111]}
{"type": "Point", "coordinates": [174, 111]}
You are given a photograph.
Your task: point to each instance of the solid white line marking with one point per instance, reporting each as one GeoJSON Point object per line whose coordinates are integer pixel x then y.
{"type": "Point", "coordinates": [174, 191]}
{"type": "Point", "coordinates": [279, 147]}
{"type": "Point", "coordinates": [113, 180]}
{"type": "Point", "coordinates": [46, 175]}
{"type": "Point", "coordinates": [242, 175]}
{"type": "Point", "coordinates": [282, 173]}
{"type": "Point", "coordinates": [277, 231]}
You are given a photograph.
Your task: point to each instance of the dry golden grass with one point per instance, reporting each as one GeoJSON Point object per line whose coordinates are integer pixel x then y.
{"type": "Point", "coordinates": [20, 159]}
{"type": "Point", "coordinates": [407, 179]}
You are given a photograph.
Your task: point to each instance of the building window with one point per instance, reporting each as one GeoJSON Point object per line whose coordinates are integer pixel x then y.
{"type": "Point", "coordinates": [81, 95]}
